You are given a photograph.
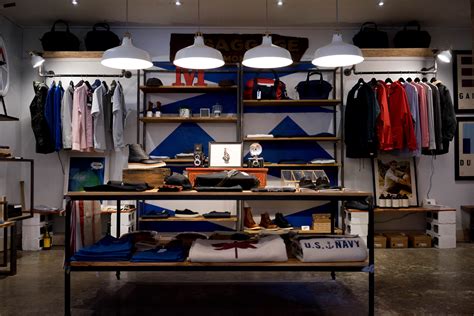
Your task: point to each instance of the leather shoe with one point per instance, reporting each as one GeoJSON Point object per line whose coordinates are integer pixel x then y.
{"type": "Point", "coordinates": [267, 223]}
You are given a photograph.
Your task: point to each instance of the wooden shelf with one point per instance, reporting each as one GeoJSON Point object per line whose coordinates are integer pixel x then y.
{"type": "Point", "coordinates": [177, 119]}
{"type": "Point", "coordinates": [279, 165]}
{"type": "Point", "coordinates": [5, 118]}
{"type": "Point", "coordinates": [330, 102]}
{"type": "Point", "coordinates": [190, 219]}
{"type": "Point", "coordinates": [292, 262]}
{"type": "Point", "coordinates": [413, 210]}
{"type": "Point", "coordinates": [306, 138]}
{"type": "Point", "coordinates": [73, 54]}
{"type": "Point", "coordinates": [7, 224]}
{"type": "Point", "coordinates": [182, 89]}
{"type": "Point", "coordinates": [397, 52]}
{"type": "Point", "coordinates": [178, 160]}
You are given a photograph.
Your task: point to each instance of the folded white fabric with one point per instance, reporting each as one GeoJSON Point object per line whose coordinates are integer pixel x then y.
{"type": "Point", "coordinates": [266, 249]}
{"type": "Point", "coordinates": [332, 249]}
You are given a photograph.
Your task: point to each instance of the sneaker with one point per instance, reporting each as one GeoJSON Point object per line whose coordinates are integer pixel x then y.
{"type": "Point", "coordinates": [281, 221]}
{"type": "Point", "coordinates": [157, 214]}
{"type": "Point", "coordinates": [267, 223]}
{"type": "Point", "coordinates": [216, 214]}
{"type": "Point", "coordinates": [186, 213]}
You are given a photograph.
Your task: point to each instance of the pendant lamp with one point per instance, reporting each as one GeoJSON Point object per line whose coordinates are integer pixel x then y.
{"type": "Point", "coordinates": [126, 56]}
{"type": "Point", "coordinates": [198, 55]}
{"type": "Point", "coordinates": [267, 55]}
{"type": "Point", "coordinates": [337, 53]}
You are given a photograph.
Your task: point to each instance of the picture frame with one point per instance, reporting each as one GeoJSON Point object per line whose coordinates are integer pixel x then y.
{"type": "Point", "coordinates": [388, 168]}
{"type": "Point", "coordinates": [228, 154]}
{"type": "Point", "coordinates": [83, 171]}
{"type": "Point", "coordinates": [205, 112]}
{"type": "Point", "coordinates": [464, 148]}
{"type": "Point", "coordinates": [463, 72]}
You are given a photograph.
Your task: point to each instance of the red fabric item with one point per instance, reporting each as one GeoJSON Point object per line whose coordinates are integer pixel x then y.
{"type": "Point", "coordinates": [383, 126]}
{"type": "Point", "coordinates": [401, 121]}
{"type": "Point", "coordinates": [423, 104]}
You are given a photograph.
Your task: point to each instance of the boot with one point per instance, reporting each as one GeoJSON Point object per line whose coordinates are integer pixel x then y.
{"type": "Point", "coordinates": [267, 223]}
{"type": "Point", "coordinates": [248, 219]}
{"type": "Point", "coordinates": [281, 221]}
{"type": "Point", "coordinates": [136, 154]}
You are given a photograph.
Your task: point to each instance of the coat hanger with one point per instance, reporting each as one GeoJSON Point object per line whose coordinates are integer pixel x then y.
{"type": "Point", "coordinates": [373, 81]}
{"type": "Point", "coordinates": [417, 79]}
{"type": "Point", "coordinates": [409, 79]}
{"type": "Point", "coordinates": [96, 84]}
{"type": "Point", "coordinates": [105, 85]}
{"type": "Point", "coordinates": [360, 81]}
{"type": "Point", "coordinates": [388, 80]}
{"type": "Point", "coordinates": [424, 79]}
{"type": "Point", "coordinates": [80, 83]}
{"type": "Point", "coordinates": [71, 83]}
{"type": "Point", "coordinates": [433, 79]}
{"type": "Point", "coordinates": [401, 79]}
{"type": "Point", "coordinates": [88, 85]}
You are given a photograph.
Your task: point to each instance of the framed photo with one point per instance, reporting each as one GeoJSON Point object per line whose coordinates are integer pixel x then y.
{"type": "Point", "coordinates": [205, 112]}
{"type": "Point", "coordinates": [83, 171]}
{"type": "Point", "coordinates": [463, 81]}
{"type": "Point", "coordinates": [464, 148]}
{"type": "Point", "coordinates": [395, 175]}
{"type": "Point", "coordinates": [225, 154]}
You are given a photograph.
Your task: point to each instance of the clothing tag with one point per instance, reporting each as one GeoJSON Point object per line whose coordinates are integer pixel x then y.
{"type": "Point", "coordinates": [356, 93]}
{"type": "Point", "coordinates": [259, 94]}
{"type": "Point", "coordinates": [161, 250]}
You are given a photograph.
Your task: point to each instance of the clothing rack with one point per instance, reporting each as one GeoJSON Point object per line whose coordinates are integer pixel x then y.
{"type": "Point", "coordinates": [51, 74]}
{"type": "Point", "coordinates": [433, 70]}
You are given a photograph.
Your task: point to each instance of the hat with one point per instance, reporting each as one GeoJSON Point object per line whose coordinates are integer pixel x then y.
{"type": "Point", "coordinates": [226, 83]}
{"type": "Point", "coordinates": [154, 82]}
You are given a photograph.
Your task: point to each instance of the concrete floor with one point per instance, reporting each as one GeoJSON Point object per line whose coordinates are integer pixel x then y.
{"type": "Point", "coordinates": [408, 282]}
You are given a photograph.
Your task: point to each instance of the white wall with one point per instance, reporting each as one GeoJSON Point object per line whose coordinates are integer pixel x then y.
{"type": "Point", "coordinates": [49, 177]}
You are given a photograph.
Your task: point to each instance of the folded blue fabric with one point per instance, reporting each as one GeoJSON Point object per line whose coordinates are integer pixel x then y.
{"type": "Point", "coordinates": [172, 254]}
{"type": "Point", "coordinates": [107, 249]}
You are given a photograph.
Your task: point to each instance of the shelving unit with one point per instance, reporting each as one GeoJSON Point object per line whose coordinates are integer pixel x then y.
{"type": "Point", "coordinates": [192, 219]}
{"type": "Point", "coordinates": [7, 118]}
{"type": "Point", "coordinates": [172, 119]}
{"type": "Point", "coordinates": [313, 103]}
{"type": "Point", "coordinates": [186, 89]}
{"type": "Point", "coordinates": [308, 138]}
{"type": "Point", "coordinates": [295, 165]}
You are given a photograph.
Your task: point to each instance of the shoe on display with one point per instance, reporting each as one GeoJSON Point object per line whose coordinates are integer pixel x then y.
{"type": "Point", "coordinates": [267, 223]}
{"type": "Point", "coordinates": [157, 214]}
{"type": "Point", "coordinates": [186, 213]}
{"type": "Point", "coordinates": [216, 214]}
{"type": "Point", "coordinates": [281, 221]}
{"type": "Point", "coordinates": [248, 219]}
{"type": "Point", "coordinates": [136, 154]}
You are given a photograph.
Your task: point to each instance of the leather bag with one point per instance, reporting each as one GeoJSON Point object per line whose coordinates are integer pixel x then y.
{"type": "Point", "coordinates": [100, 40]}
{"type": "Point", "coordinates": [60, 40]}
{"type": "Point", "coordinates": [412, 38]}
{"type": "Point", "coordinates": [265, 89]}
{"type": "Point", "coordinates": [314, 89]}
{"type": "Point", "coordinates": [370, 37]}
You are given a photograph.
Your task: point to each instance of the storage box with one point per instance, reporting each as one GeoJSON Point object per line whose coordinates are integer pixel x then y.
{"type": "Point", "coordinates": [37, 219]}
{"type": "Point", "coordinates": [419, 240]}
{"type": "Point", "coordinates": [123, 229]}
{"type": "Point", "coordinates": [442, 242]}
{"type": "Point", "coordinates": [322, 223]}
{"type": "Point", "coordinates": [380, 241]}
{"type": "Point", "coordinates": [397, 240]}
{"type": "Point", "coordinates": [126, 218]}
{"type": "Point", "coordinates": [357, 217]}
{"type": "Point", "coordinates": [443, 217]}
{"type": "Point", "coordinates": [155, 177]}
{"type": "Point", "coordinates": [31, 244]}
{"type": "Point", "coordinates": [357, 229]}
{"type": "Point", "coordinates": [442, 229]}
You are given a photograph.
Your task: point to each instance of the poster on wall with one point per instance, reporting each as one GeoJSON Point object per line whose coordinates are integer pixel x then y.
{"type": "Point", "coordinates": [395, 176]}
{"type": "Point", "coordinates": [464, 149]}
{"type": "Point", "coordinates": [463, 76]}
{"type": "Point", "coordinates": [84, 172]}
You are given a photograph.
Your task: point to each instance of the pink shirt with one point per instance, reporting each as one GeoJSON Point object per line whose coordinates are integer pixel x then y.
{"type": "Point", "coordinates": [78, 118]}
{"type": "Point", "coordinates": [423, 105]}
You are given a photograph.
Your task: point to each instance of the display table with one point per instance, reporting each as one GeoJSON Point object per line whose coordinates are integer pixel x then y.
{"type": "Point", "coordinates": [12, 268]}
{"type": "Point", "coordinates": [291, 265]}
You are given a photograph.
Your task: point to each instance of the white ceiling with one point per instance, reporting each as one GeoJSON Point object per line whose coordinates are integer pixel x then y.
{"type": "Point", "coordinates": [240, 13]}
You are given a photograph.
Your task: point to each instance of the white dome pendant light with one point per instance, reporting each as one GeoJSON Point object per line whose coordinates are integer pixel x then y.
{"type": "Point", "coordinates": [126, 56]}
{"type": "Point", "coordinates": [198, 55]}
{"type": "Point", "coordinates": [267, 55]}
{"type": "Point", "coordinates": [337, 53]}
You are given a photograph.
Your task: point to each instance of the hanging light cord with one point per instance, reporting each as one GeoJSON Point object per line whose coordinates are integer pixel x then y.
{"type": "Point", "coordinates": [266, 17]}
{"type": "Point", "coordinates": [337, 15]}
{"type": "Point", "coordinates": [127, 33]}
{"type": "Point", "coordinates": [199, 16]}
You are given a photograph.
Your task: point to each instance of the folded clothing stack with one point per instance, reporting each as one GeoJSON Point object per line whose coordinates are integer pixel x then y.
{"type": "Point", "coordinates": [173, 252]}
{"type": "Point", "coordinates": [107, 249]}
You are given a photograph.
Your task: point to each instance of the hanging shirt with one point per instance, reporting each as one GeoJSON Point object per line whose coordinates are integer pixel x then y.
{"type": "Point", "coordinates": [431, 126]}
{"type": "Point", "coordinates": [423, 110]}
{"type": "Point", "coordinates": [39, 124]}
{"type": "Point", "coordinates": [49, 111]}
{"type": "Point", "coordinates": [384, 130]}
{"type": "Point", "coordinates": [66, 117]}
{"type": "Point", "coordinates": [403, 132]}
{"type": "Point", "coordinates": [437, 117]}
{"type": "Point", "coordinates": [89, 121]}
{"type": "Point", "coordinates": [448, 116]}
{"type": "Point", "coordinates": [412, 96]}
{"type": "Point", "coordinates": [56, 131]}
{"type": "Point", "coordinates": [78, 120]}
{"type": "Point", "coordinates": [108, 115]}
{"type": "Point", "coordinates": [98, 114]}
{"type": "Point", "coordinates": [119, 116]}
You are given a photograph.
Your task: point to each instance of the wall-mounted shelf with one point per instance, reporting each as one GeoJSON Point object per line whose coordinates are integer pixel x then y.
{"type": "Point", "coordinates": [279, 165]}
{"type": "Point", "coordinates": [73, 54]}
{"type": "Point", "coordinates": [412, 210]}
{"type": "Point", "coordinates": [178, 160]}
{"type": "Point", "coordinates": [182, 89]}
{"type": "Point", "coordinates": [191, 219]}
{"type": "Point", "coordinates": [397, 52]}
{"type": "Point", "coordinates": [329, 102]}
{"type": "Point", "coordinates": [177, 119]}
{"type": "Point", "coordinates": [6, 118]}
{"type": "Point", "coordinates": [307, 138]}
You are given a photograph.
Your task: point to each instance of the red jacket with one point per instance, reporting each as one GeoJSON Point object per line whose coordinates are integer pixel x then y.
{"type": "Point", "coordinates": [401, 121]}
{"type": "Point", "coordinates": [384, 129]}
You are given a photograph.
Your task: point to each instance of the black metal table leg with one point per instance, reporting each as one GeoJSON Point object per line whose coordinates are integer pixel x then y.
{"type": "Point", "coordinates": [117, 273]}
{"type": "Point", "coordinates": [333, 275]}
{"type": "Point", "coordinates": [67, 255]}
{"type": "Point", "coordinates": [5, 247]}
{"type": "Point", "coordinates": [12, 249]}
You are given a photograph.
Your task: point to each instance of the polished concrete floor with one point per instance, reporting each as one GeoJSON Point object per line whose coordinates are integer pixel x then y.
{"type": "Point", "coordinates": [408, 282]}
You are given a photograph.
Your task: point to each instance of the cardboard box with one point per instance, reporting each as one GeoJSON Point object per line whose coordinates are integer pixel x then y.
{"type": "Point", "coordinates": [397, 240]}
{"type": "Point", "coordinates": [322, 223]}
{"type": "Point", "coordinates": [380, 241]}
{"type": "Point", "coordinates": [419, 240]}
{"type": "Point", "coordinates": [155, 177]}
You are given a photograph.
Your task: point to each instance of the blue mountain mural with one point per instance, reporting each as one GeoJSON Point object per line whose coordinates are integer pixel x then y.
{"type": "Point", "coordinates": [288, 128]}
{"type": "Point", "coordinates": [305, 217]}
{"type": "Point", "coordinates": [179, 141]}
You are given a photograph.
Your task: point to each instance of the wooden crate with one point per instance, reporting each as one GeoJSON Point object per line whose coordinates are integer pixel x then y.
{"type": "Point", "coordinates": [322, 223]}
{"type": "Point", "coordinates": [155, 177]}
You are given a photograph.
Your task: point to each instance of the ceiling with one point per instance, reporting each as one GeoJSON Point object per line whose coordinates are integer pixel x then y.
{"type": "Point", "coordinates": [240, 13]}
